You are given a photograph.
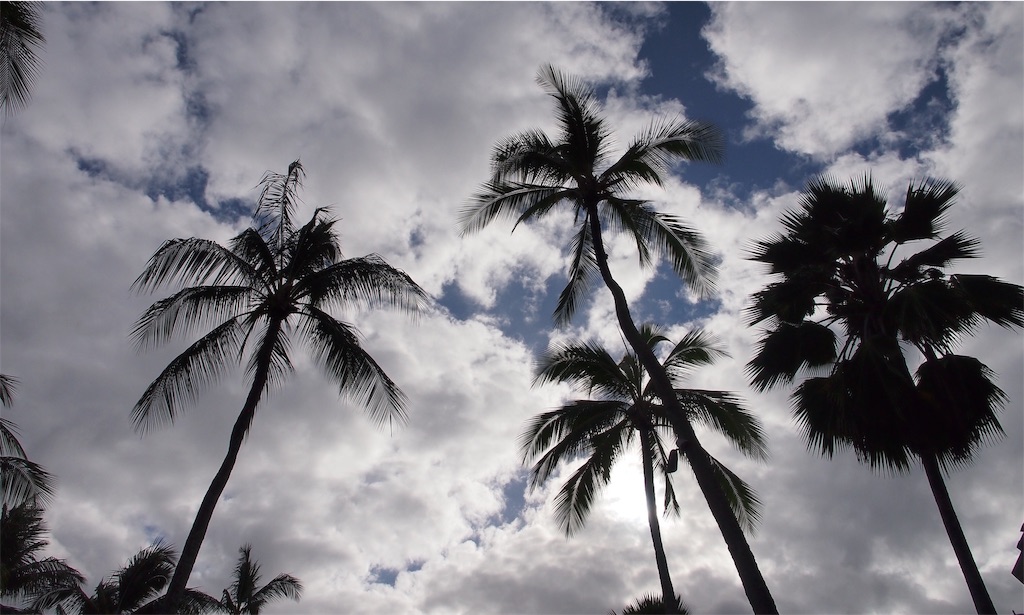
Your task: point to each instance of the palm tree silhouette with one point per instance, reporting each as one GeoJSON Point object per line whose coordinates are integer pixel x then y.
{"type": "Point", "coordinates": [23, 576]}
{"type": "Point", "coordinates": [627, 409]}
{"type": "Point", "coordinates": [20, 39]}
{"type": "Point", "coordinates": [133, 588]}
{"type": "Point", "coordinates": [274, 280]}
{"type": "Point", "coordinates": [533, 174]}
{"type": "Point", "coordinates": [838, 253]}
{"type": "Point", "coordinates": [21, 479]}
{"type": "Point", "coordinates": [246, 597]}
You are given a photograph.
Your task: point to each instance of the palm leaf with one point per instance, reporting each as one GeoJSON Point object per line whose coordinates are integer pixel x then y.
{"type": "Point", "coordinates": [784, 351]}
{"type": "Point", "coordinates": [200, 365]}
{"type": "Point", "coordinates": [564, 434]}
{"type": "Point", "coordinates": [187, 311]}
{"type": "Point", "coordinates": [366, 282]}
{"type": "Point", "coordinates": [335, 346]}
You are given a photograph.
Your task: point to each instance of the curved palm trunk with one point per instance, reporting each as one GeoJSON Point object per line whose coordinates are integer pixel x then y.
{"type": "Point", "coordinates": [754, 585]}
{"type": "Point", "coordinates": [982, 601]}
{"type": "Point", "coordinates": [190, 551]}
{"type": "Point", "coordinates": [667, 591]}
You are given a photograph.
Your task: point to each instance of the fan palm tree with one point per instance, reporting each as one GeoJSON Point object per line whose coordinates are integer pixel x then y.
{"type": "Point", "coordinates": [847, 262]}
{"type": "Point", "coordinates": [650, 604]}
{"type": "Point", "coordinates": [274, 280]}
{"type": "Point", "coordinates": [23, 576]}
{"type": "Point", "coordinates": [20, 40]}
{"type": "Point", "coordinates": [626, 410]}
{"type": "Point", "coordinates": [246, 597]}
{"type": "Point", "coordinates": [134, 588]}
{"type": "Point", "coordinates": [533, 174]}
{"type": "Point", "coordinates": [22, 480]}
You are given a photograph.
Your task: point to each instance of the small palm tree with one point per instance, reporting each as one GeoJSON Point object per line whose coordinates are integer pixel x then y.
{"type": "Point", "coordinates": [20, 40]}
{"type": "Point", "coordinates": [23, 576]}
{"type": "Point", "coordinates": [846, 262]}
{"type": "Point", "coordinates": [532, 174]}
{"type": "Point", "coordinates": [22, 480]}
{"type": "Point", "coordinates": [246, 597]}
{"type": "Point", "coordinates": [627, 409]}
{"type": "Point", "coordinates": [275, 280]}
{"type": "Point", "coordinates": [134, 588]}
{"type": "Point", "coordinates": [650, 604]}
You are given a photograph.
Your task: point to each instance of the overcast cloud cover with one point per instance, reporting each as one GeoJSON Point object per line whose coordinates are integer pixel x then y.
{"type": "Point", "coordinates": [155, 120]}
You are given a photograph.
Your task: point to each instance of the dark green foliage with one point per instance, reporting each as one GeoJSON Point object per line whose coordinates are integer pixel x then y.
{"type": "Point", "coordinates": [837, 254]}
{"type": "Point", "coordinates": [21, 39]}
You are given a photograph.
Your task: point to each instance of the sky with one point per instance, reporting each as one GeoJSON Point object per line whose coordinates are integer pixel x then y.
{"type": "Point", "coordinates": [153, 120]}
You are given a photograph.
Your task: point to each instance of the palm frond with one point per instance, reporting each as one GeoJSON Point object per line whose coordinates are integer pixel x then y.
{"type": "Point", "coordinates": [507, 200]}
{"type": "Point", "coordinates": [563, 434]}
{"type": "Point", "coordinates": [365, 282]}
{"type": "Point", "coordinates": [992, 299]}
{"type": "Point", "coordinates": [686, 250]}
{"type": "Point", "coordinates": [575, 499]}
{"type": "Point", "coordinates": [21, 39]}
{"type": "Point", "coordinates": [277, 203]}
{"type": "Point", "coordinates": [697, 348]}
{"type": "Point", "coordinates": [144, 576]}
{"type": "Point", "coordinates": [725, 413]}
{"type": "Point", "coordinates": [959, 402]}
{"type": "Point", "coordinates": [192, 262]}
{"type": "Point", "coordinates": [23, 480]}
{"type": "Point", "coordinates": [281, 586]}
{"type": "Point", "coordinates": [200, 365]}
{"type": "Point", "coordinates": [651, 153]}
{"type": "Point", "coordinates": [784, 351]}
{"type": "Point", "coordinates": [586, 366]}
{"type": "Point", "coordinates": [745, 503]}
{"type": "Point", "coordinates": [957, 246]}
{"type": "Point", "coordinates": [8, 385]}
{"type": "Point", "coordinates": [187, 311]}
{"type": "Point", "coordinates": [924, 209]}
{"type": "Point", "coordinates": [335, 346]}
{"type": "Point", "coordinates": [583, 271]}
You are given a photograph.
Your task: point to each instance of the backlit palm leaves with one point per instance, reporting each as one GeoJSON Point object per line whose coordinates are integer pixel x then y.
{"type": "Point", "coordinates": [23, 575]}
{"type": "Point", "coordinates": [274, 283]}
{"type": "Point", "coordinates": [855, 292]}
{"type": "Point", "coordinates": [246, 596]}
{"type": "Point", "coordinates": [21, 38]}
{"type": "Point", "coordinates": [22, 480]}
{"type": "Point", "coordinates": [532, 174]}
{"type": "Point", "coordinates": [625, 411]}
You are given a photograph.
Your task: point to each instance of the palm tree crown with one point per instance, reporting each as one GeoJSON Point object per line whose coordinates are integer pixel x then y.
{"type": "Point", "coordinates": [273, 281]}
{"type": "Point", "coordinates": [846, 262]}
{"type": "Point", "coordinates": [133, 588]}
{"type": "Point", "coordinates": [23, 576]}
{"type": "Point", "coordinates": [627, 409]}
{"type": "Point", "coordinates": [531, 174]}
{"type": "Point", "coordinates": [245, 596]}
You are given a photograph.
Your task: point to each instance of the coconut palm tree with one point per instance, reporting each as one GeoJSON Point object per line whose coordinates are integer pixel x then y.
{"type": "Point", "coordinates": [23, 575]}
{"type": "Point", "coordinates": [22, 480]}
{"type": "Point", "coordinates": [20, 40]}
{"type": "Point", "coordinates": [274, 281]}
{"type": "Point", "coordinates": [847, 262]}
{"type": "Point", "coordinates": [533, 174]}
{"type": "Point", "coordinates": [246, 597]}
{"type": "Point", "coordinates": [627, 410]}
{"type": "Point", "coordinates": [133, 588]}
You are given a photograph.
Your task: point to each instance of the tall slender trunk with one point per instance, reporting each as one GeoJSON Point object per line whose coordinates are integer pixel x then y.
{"type": "Point", "coordinates": [754, 585]}
{"type": "Point", "coordinates": [982, 601]}
{"type": "Point", "coordinates": [667, 591]}
{"type": "Point", "coordinates": [190, 551]}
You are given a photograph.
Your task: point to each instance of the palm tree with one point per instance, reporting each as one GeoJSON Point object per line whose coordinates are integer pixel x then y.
{"type": "Point", "coordinates": [836, 262]}
{"type": "Point", "coordinates": [274, 279]}
{"type": "Point", "coordinates": [649, 603]}
{"type": "Point", "coordinates": [23, 576]}
{"type": "Point", "coordinates": [20, 39]}
{"type": "Point", "coordinates": [246, 597]}
{"type": "Point", "coordinates": [22, 480]}
{"type": "Point", "coordinates": [628, 409]}
{"type": "Point", "coordinates": [134, 588]}
{"type": "Point", "coordinates": [533, 174]}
